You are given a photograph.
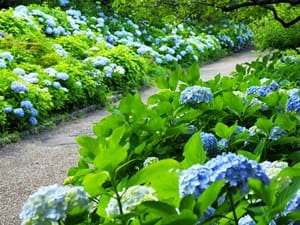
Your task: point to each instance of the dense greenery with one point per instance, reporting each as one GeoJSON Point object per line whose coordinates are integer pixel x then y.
{"type": "Point", "coordinates": [55, 61]}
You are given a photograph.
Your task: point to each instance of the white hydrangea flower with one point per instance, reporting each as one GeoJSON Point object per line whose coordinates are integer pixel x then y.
{"type": "Point", "coordinates": [130, 199]}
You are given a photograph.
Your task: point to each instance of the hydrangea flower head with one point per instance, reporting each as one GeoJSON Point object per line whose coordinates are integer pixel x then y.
{"type": "Point", "coordinates": [196, 94]}
{"type": "Point", "coordinates": [209, 142]}
{"type": "Point", "coordinates": [274, 85]}
{"type": "Point", "coordinates": [194, 180]}
{"type": "Point", "coordinates": [7, 55]}
{"type": "Point", "coordinates": [276, 133]}
{"type": "Point", "coordinates": [130, 198]}
{"type": "Point", "coordinates": [62, 76]}
{"type": "Point", "coordinates": [2, 64]}
{"type": "Point", "coordinates": [8, 109]}
{"type": "Point", "coordinates": [246, 220]}
{"type": "Point", "coordinates": [32, 120]}
{"type": "Point", "coordinates": [150, 160]}
{"type": "Point", "coordinates": [26, 104]}
{"type": "Point", "coordinates": [293, 204]}
{"type": "Point", "coordinates": [293, 104]}
{"type": "Point", "coordinates": [236, 169]}
{"type": "Point", "coordinates": [272, 169]}
{"type": "Point", "coordinates": [18, 87]}
{"type": "Point", "coordinates": [19, 112]}
{"type": "Point", "coordinates": [50, 204]}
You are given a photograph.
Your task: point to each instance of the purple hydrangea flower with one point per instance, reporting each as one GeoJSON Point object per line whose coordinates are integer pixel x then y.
{"type": "Point", "coordinates": [236, 169]}
{"type": "Point", "coordinates": [196, 94]}
{"type": "Point", "coordinates": [293, 104]}
{"type": "Point", "coordinates": [18, 87]}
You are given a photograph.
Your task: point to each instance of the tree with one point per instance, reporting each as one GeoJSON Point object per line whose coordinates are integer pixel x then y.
{"type": "Point", "coordinates": [197, 8]}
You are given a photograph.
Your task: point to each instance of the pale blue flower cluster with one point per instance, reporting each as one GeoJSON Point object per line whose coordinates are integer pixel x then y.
{"type": "Point", "coordinates": [60, 50]}
{"type": "Point", "coordinates": [19, 112]}
{"type": "Point", "coordinates": [293, 104]}
{"type": "Point", "coordinates": [51, 204]}
{"type": "Point", "coordinates": [277, 133]}
{"type": "Point", "coordinates": [130, 198]}
{"type": "Point", "coordinates": [18, 87]}
{"type": "Point", "coordinates": [196, 94]}
{"type": "Point", "coordinates": [272, 169]}
{"type": "Point", "coordinates": [234, 169]}
{"type": "Point", "coordinates": [5, 56]}
{"type": "Point", "coordinates": [194, 180]}
{"type": "Point", "coordinates": [64, 2]}
{"type": "Point", "coordinates": [246, 220]}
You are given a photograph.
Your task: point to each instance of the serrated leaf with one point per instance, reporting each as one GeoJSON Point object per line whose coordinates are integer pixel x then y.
{"type": "Point", "coordinates": [233, 103]}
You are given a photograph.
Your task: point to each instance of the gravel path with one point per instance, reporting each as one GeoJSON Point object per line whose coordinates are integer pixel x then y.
{"type": "Point", "coordinates": [45, 159]}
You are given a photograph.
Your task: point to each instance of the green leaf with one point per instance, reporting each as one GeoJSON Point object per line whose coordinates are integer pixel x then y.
{"type": "Point", "coordinates": [271, 99]}
{"type": "Point", "coordinates": [223, 131]}
{"type": "Point", "coordinates": [93, 182]}
{"type": "Point", "coordinates": [187, 202]}
{"type": "Point", "coordinates": [264, 192]}
{"type": "Point", "coordinates": [233, 103]}
{"type": "Point", "coordinates": [193, 151]}
{"type": "Point", "coordinates": [111, 154]}
{"type": "Point", "coordinates": [162, 82]}
{"type": "Point", "coordinates": [284, 121]}
{"type": "Point", "coordinates": [162, 176]}
{"type": "Point", "coordinates": [173, 80]}
{"type": "Point", "coordinates": [210, 195]}
{"type": "Point", "coordinates": [158, 208]}
{"type": "Point", "coordinates": [88, 146]}
{"type": "Point", "coordinates": [185, 217]}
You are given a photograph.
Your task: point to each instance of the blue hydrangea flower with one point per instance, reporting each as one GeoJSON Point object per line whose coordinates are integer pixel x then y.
{"type": "Point", "coordinates": [33, 112]}
{"type": "Point", "coordinates": [7, 55]}
{"type": "Point", "coordinates": [293, 204]}
{"type": "Point", "coordinates": [236, 169]}
{"type": "Point", "coordinates": [120, 70]}
{"type": "Point", "coordinates": [196, 94]}
{"type": "Point", "coordinates": [246, 220]}
{"type": "Point", "coordinates": [209, 142]}
{"type": "Point", "coordinates": [8, 109]}
{"type": "Point", "coordinates": [50, 204]}
{"type": "Point", "coordinates": [252, 90]}
{"type": "Point", "coordinates": [57, 85]}
{"type": "Point", "coordinates": [2, 64]}
{"type": "Point", "coordinates": [131, 198]}
{"type": "Point", "coordinates": [293, 91]}
{"type": "Point", "coordinates": [62, 76]}
{"type": "Point", "coordinates": [264, 91]}
{"type": "Point", "coordinates": [158, 60]}
{"type": "Point", "coordinates": [276, 133]}
{"type": "Point", "coordinates": [272, 169]}
{"type": "Point", "coordinates": [26, 104]}
{"type": "Point", "coordinates": [47, 82]}
{"type": "Point", "coordinates": [194, 180]}
{"type": "Point", "coordinates": [108, 71]}
{"type": "Point", "coordinates": [223, 143]}
{"type": "Point", "coordinates": [32, 120]}
{"type": "Point", "coordinates": [18, 87]}
{"type": "Point", "coordinates": [274, 85]}
{"type": "Point", "coordinates": [293, 104]}
{"type": "Point", "coordinates": [19, 112]}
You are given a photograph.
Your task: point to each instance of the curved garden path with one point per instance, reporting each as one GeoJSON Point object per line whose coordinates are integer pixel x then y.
{"type": "Point", "coordinates": [45, 159]}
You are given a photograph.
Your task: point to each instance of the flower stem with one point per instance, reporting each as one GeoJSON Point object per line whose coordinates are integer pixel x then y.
{"type": "Point", "coordinates": [233, 208]}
